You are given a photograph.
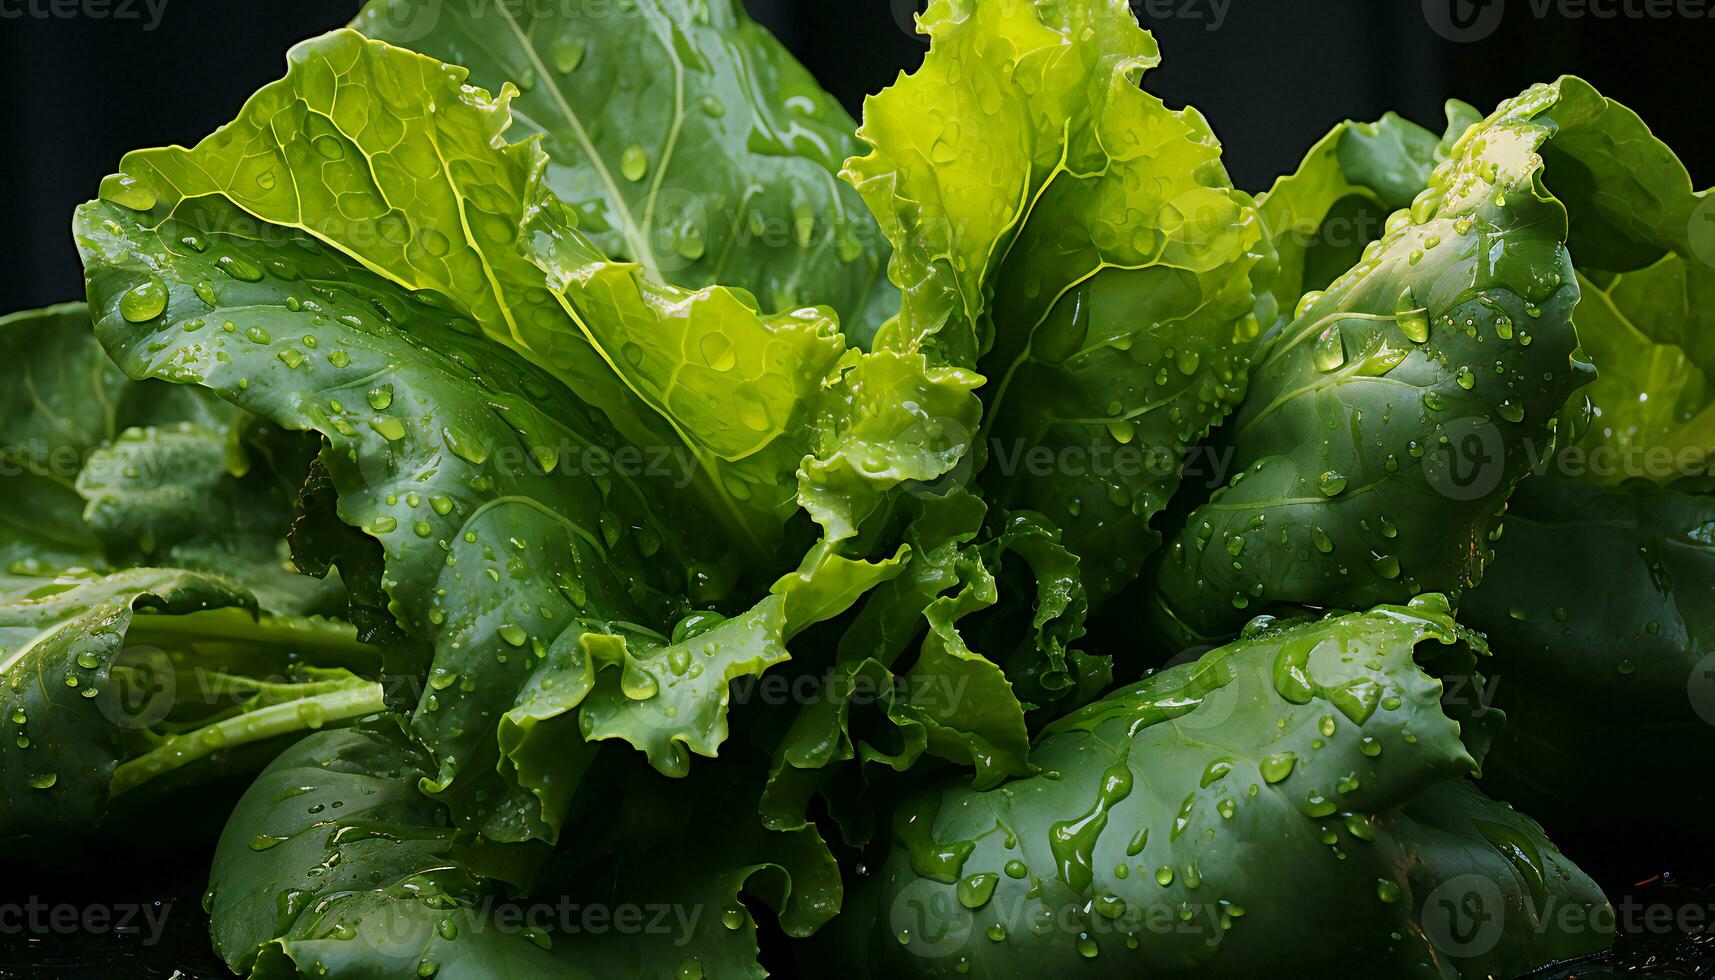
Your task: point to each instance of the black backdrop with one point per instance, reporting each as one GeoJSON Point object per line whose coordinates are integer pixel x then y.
{"type": "Point", "coordinates": [1271, 75]}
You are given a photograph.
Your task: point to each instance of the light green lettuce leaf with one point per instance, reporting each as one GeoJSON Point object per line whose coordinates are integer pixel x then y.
{"type": "Point", "coordinates": [687, 139]}
{"type": "Point", "coordinates": [389, 158]}
{"type": "Point", "coordinates": [530, 541]}
{"type": "Point", "coordinates": [1079, 243]}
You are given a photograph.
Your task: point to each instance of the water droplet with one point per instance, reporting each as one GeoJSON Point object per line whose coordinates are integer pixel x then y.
{"type": "Point", "coordinates": [717, 352]}
{"type": "Point", "coordinates": [1330, 350]}
{"type": "Point", "coordinates": [634, 163]}
{"type": "Point", "coordinates": [569, 54]}
{"type": "Point", "coordinates": [238, 268]}
{"type": "Point", "coordinates": [1278, 766]}
{"type": "Point", "coordinates": [1413, 320]}
{"type": "Point", "coordinates": [136, 193]}
{"type": "Point", "coordinates": [388, 427]}
{"type": "Point", "coordinates": [144, 301]}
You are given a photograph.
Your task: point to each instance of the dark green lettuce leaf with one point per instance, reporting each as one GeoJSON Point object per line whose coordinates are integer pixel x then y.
{"type": "Point", "coordinates": [65, 398]}
{"type": "Point", "coordinates": [333, 864]}
{"type": "Point", "coordinates": [577, 473]}
{"type": "Point", "coordinates": [1176, 825]}
{"type": "Point", "coordinates": [1388, 423]}
{"type": "Point", "coordinates": [1600, 589]}
{"type": "Point", "coordinates": [109, 473]}
{"type": "Point", "coordinates": [1321, 216]}
{"type": "Point", "coordinates": [1601, 606]}
{"type": "Point", "coordinates": [688, 140]}
{"type": "Point", "coordinates": [1079, 243]}
{"type": "Point", "coordinates": [109, 682]}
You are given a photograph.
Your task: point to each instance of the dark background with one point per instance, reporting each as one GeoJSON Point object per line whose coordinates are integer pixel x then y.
{"type": "Point", "coordinates": [1272, 78]}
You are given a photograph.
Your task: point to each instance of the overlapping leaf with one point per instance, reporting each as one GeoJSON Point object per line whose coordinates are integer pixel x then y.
{"type": "Point", "coordinates": [1079, 243]}
{"type": "Point", "coordinates": [1174, 822]}
{"type": "Point", "coordinates": [1388, 423]}
{"type": "Point", "coordinates": [685, 136]}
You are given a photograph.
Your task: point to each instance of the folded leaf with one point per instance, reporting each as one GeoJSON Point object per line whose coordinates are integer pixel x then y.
{"type": "Point", "coordinates": [1077, 242]}
{"type": "Point", "coordinates": [108, 682]}
{"type": "Point", "coordinates": [1388, 423]}
{"type": "Point", "coordinates": [1321, 216]}
{"type": "Point", "coordinates": [1174, 821]}
{"type": "Point", "coordinates": [536, 530]}
{"type": "Point", "coordinates": [687, 139]}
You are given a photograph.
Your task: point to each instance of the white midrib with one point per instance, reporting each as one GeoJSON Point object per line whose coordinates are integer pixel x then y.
{"type": "Point", "coordinates": [639, 246]}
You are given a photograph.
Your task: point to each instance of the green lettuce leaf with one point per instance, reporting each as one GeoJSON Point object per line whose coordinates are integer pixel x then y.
{"type": "Point", "coordinates": [687, 139]}
{"type": "Point", "coordinates": [1598, 596]}
{"type": "Point", "coordinates": [333, 864]}
{"type": "Point", "coordinates": [1652, 407]}
{"type": "Point", "coordinates": [1174, 822]}
{"type": "Point", "coordinates": [1388, 423]}
{"type": "Point", "coordinates": [1601, 606]}
{"type": "Point", "coordinates": [65, 399]}
{"type": "Point", "coordinates": [1078, 242]}
{"type": "Point", "coordinates": [346, 149]}
{"type": "Point", "coordinates": [109, 682]}
{"type": "Point", "coordinates": [571, 568]}
{"type": "Point", "coordinates": [1321, 216]}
